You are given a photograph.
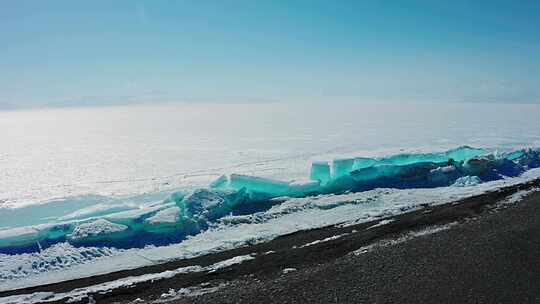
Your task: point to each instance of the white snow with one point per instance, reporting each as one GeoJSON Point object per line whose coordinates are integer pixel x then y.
{"type": "Point", "coordinates": [517, 197]}
{"type": "Point", "coordinates": [165, 216]}
{"type": "Point", "coordinates": [97, 228]}
{"type": "Point", "coordinates": [335, 237]}
{"type": "Point", "coordinates": [83, 293]}
{"type": "Point", "coordinates": [51, 261]}
{"type": "Point", "coordinates": [227, 263]}
{"type": "Point", "coordinates": [288, 270]}
{"type": "Point", "coordinates": [406, 237]}
{"type": "Point", "coordinates": [173, 295]}
{"type": "Point", "coordinates": [27, 298]}
{"type": "Point", "coordinates": [381, 223]}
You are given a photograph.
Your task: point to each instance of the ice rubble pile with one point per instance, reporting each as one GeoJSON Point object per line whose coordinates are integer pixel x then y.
{"type": "Point", "coordinates": [183, 214]}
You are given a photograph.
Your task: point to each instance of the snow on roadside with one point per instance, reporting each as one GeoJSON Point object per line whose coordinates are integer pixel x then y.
{"type": "Point", "coordinates": [80, 294]}
{"type": "Point", "coordinates": [517, 197]}
{"type": "Point", "coordinates": [335, 237]}
{"type": "Point", "coordinates": [403, 238]}
{"type": "Point", "coordinates": [173, 295]}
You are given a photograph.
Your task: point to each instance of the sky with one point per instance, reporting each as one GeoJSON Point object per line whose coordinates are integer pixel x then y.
{"type": "Point", "coordinates": [72, 53]}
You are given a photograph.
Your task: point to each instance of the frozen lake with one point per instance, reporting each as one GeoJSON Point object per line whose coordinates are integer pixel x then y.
{"type": "Point", "coordinates": [125, 150]}
{"type": "Point", "coordinates": [87, 191]}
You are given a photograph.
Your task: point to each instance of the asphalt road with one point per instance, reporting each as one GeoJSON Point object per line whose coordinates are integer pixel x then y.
{"type": "Point", "coordinates": [493, 258]}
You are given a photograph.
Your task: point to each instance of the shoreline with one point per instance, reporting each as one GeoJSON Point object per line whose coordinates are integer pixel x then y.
{"type": "Point", "coordinates": [299, 254]}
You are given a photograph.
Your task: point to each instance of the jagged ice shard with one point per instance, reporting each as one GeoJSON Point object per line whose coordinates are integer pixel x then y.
{"type": "Point", "coordinates": [185, 213]}
{"type": "Point", "coordinates": [320, 171]}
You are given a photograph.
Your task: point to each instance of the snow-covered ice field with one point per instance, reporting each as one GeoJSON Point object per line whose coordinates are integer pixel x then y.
{"type": "Point", "coordinates": [78, 185]}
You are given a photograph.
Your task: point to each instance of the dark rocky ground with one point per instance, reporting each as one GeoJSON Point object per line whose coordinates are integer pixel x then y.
{"type": "Point", "coordinates": [492, 255]}
{"type": "Point", "coordinates": [491, 259]}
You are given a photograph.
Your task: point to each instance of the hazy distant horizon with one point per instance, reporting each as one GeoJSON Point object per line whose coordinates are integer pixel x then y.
{"type": "Point", "coordinates": [60, 105]}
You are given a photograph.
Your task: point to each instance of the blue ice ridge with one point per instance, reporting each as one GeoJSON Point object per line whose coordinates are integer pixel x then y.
{"type": "Point", "coordinates": [187, 213]}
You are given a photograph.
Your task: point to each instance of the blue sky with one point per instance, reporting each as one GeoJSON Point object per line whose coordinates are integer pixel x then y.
{"type": "Point", "coordinates": [115, 52]}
